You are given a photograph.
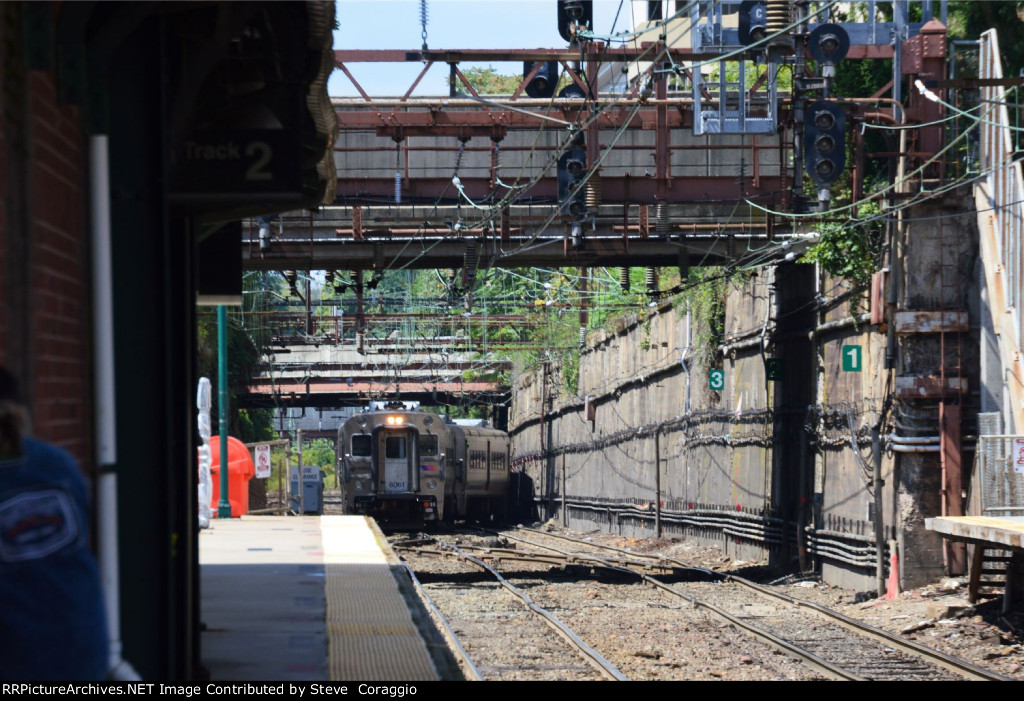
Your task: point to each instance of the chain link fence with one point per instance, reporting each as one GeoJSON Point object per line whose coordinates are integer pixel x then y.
{"type": "Point", "coordinates": [1001, 475]}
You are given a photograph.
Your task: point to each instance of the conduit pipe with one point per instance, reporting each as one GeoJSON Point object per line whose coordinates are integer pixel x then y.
{"type": "Point", "coordinates": [914, 448]}
{"type": "Point", "coordinates": [912, 440]}
{"type": "Point", "coordinates": [105, 414]}
{"type": "Point", "coordinates": [839, 324]}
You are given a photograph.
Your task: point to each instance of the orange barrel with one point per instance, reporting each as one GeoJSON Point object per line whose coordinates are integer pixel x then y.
{"type": "Point", "coordinates": [240, 470]}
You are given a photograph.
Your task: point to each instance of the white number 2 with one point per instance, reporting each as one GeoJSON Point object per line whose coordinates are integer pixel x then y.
{"type": "Point", "coordinates": [257, 171]}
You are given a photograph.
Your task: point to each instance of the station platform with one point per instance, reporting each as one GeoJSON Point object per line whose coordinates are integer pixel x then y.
{"type": "Point", "coordinates": [985, 533]}
{"type": "Point", "coordinates": [1004, 530]}
{"type": "Point", "coordinates": [311, 598]}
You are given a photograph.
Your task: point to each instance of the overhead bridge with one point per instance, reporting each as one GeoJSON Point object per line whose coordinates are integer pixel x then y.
{"type": "Point", "coordinates": [414, 237]}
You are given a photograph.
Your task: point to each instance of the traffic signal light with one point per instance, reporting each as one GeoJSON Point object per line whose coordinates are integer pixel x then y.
{"type": "Point", "coordinates": [572, 166]}
{"type": "Point", "coordinates": [574, 12]}
{"type": "Point", "coordinates": [824, 147]}
{"type": "Point", "coordinates": [753, 21]}
{"type": "Point", "coordinates": [828, 45]}
{"type": "Point", "coordinates": [544, 81]}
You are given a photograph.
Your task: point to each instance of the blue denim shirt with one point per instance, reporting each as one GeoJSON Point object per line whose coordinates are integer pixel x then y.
{"type": "Point", "coordinates": [52, 623]}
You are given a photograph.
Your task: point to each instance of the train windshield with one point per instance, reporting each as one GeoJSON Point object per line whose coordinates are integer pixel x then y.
{"type": "Point", "coordinates": [362, 445]}
{"type": "Point", "coordinates": [395, 447]}
{"type": "Point", "coordinates": [428, 445]}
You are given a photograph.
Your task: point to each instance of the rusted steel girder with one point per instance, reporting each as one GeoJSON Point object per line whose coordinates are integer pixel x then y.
{"type": "Point", "coordinates": [360, 367]}
{"type": "Point", "coordinates": [593, 51]}
{"type": "Point", "coordinates": [435, 119]}
{"type": "Point", "coordinates": [925, 56]}
{"type": "Point", "coordinates": [358, 190]}
{"type": "Point", "coordinates": [334, 394]}
{"type": "Point", "coordinates": [702, 245]}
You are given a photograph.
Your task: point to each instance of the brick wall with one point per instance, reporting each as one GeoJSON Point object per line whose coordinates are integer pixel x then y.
{"type": "Point", "coordinates": [59, 280]}
{"type": "Point", "coordinates": [45, 335]}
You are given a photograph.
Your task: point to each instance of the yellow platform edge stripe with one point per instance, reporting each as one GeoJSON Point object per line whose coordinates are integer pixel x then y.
{"type": "Point", "coordinates": [371, 634]}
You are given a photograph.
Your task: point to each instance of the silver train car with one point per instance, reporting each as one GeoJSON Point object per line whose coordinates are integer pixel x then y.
{"type": "Point", "coordinates": [407, 466]}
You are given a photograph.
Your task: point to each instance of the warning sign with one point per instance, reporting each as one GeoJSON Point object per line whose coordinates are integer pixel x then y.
{"type": "Point", "coordinates": [1018, 449]}
{"type": "Point", "coordinates": [262, 461]}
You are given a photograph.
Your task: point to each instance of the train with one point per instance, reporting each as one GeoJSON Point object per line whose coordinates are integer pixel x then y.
{"type": "Point", "coordinates": [403, 465]}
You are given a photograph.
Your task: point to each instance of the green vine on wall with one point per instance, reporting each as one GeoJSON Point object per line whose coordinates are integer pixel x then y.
{"type": "Point", "coordinates": [571, 372]}
{"type": "Point", "coordinates": [645, 342]}
{"type": "Point", "coordinates": [850, 249]}
{"type": "Point", "coordinates": [705, 298]}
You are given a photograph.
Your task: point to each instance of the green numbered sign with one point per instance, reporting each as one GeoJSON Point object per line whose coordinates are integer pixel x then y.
{"type": "Point", "coordinates": [716, 379]}
{"type": "Point", "coordinates": [852, 359]}
{"type": "Point", "coordinates": [773, 369]}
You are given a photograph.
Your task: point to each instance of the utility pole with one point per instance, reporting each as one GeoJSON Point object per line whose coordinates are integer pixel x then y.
{"type": "Point", "coordinates": [223, 506]}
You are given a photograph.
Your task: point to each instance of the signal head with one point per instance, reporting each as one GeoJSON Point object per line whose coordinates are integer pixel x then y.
{"type": "Point", "coordinates": [824, 146]}
{"type": "Point", "coordinates": [828, 44]}
{"type": "Point", "coordinates": [753, 21]}
{"type": "Point", "coordinates": [824, 120]}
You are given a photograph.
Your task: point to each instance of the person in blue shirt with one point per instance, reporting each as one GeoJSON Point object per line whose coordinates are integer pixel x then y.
{"type": "Point", "coordinates": [52, 622]}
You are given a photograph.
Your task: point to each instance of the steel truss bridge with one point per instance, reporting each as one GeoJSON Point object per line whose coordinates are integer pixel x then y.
{"type": "Point", "coordinates": [681, 169]}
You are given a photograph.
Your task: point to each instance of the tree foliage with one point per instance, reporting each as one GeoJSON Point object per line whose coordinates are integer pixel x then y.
{"type": "Point", "coordinates": [850, 249]}
{"type": "Point", "coordinates": [488, 81]}
{"type": "Point", "coordinates": [319, 452]}
{"type": "Point", "coordinates": [967, 20]}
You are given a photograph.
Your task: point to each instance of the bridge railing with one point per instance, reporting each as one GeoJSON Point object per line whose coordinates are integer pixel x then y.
{"type": "Point", "coordinates": [1006, 210]}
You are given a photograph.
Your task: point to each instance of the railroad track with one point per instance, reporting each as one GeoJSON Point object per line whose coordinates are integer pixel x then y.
{"type": "Point", "coordinates": [828, 641]}
{"type": "Point", "coordinates": [471, 632]}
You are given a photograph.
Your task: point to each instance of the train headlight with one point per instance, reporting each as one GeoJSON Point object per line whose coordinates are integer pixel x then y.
{"type": "Point", "coordinates": [359, 486]}
{"type": "Point", "coordinates": [395, 420]}
{"type": "Point", "coordinates": [431, 484]}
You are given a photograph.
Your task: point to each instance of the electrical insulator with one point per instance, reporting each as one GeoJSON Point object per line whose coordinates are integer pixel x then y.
{"type": "Point", "coordinates": [684, 267]}
{"type": "Point", "coordinates": [593, 190]}
{"type": "Point", "coordinates": [661, 223]}
{"type": "Point", "coordinates": [264, 232]}
{"type": "Point", "coordinates": [378, 258]}
{"type": "Point", "coordinates": [576, 236]}
{"type": "Point", "coordinates": [779, 15]}
{"type": "Point", "coordinates": [652, 282]}
{"type": "Point", "coordinates": [469, 266]}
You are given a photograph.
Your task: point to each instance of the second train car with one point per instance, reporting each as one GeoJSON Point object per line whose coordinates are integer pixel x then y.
{"type": "Point", "coordinates": [404, 465]}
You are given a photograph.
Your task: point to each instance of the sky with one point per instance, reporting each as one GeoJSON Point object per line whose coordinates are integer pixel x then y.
{"type": "Point", "coordinates": [451, 24]}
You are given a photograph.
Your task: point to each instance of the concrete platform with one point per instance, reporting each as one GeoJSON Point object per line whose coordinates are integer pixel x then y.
{"type": "Point", "coordinates": [311, 598]}
{"type": "Point", "coordinates": [1005, 530]}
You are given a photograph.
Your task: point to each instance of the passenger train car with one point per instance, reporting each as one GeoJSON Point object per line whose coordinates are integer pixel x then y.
{"type": "Point", "coordinates": [403, 465]}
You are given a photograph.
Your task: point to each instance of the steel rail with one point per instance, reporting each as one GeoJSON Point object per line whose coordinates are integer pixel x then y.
{"type": "Point", "coordinates": [808, 657]}
{"type": "Point", "coordinates": [593, 656]}
{"type": "Point", "coordinates": [453, 639]}
{"type": "Point", "coordinates": [910, 647]}
{"type": "Point", "coordinates": [499, 555]}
